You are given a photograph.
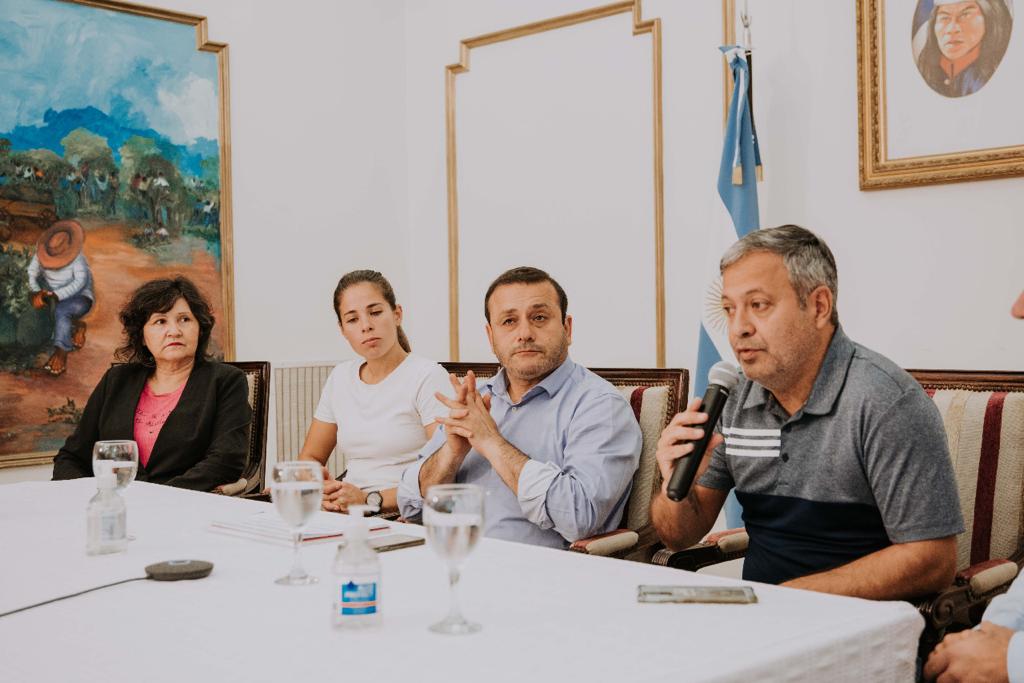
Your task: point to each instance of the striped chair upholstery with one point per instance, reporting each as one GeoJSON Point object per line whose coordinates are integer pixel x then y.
{"type": "Point", "coordinates": [296, 394]}
{"type": "Point", "coordinates": [983, 414]}
{"type": "Point", "coordinates": [655, 395]}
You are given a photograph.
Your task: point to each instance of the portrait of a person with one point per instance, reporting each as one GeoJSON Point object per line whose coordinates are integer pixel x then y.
{"type": "Point", "coordinates": [958, 44]}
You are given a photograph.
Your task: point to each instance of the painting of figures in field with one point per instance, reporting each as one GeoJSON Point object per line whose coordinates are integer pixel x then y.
{"type": "Point", "coordinates": [110, 175]}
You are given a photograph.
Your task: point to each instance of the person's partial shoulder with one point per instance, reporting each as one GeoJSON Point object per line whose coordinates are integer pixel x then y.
{"type": "Point", "coordinates": [341, 372]}
{"type": "Point", "coordinates": [423, 367]}
{"type": "Point", "coordinates": [594, 386]}
{"type": "Point", "coordinates": [880, 378]}
{"type": "Point", "coordinates": [119, 372]}
{"type": "Point", "coordinates": [223, 372]}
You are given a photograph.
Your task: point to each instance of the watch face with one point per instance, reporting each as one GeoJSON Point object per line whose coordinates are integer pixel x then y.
{"type": "Point", "coordinates": [375, 498]}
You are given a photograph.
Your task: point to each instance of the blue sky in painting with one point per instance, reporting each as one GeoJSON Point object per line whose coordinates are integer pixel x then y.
{"type": "Point", "coordinates": [143, 73]}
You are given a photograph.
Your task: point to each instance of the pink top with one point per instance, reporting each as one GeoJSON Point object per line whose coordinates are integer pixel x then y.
{"type": "Point", "coordinates": [150, 415]}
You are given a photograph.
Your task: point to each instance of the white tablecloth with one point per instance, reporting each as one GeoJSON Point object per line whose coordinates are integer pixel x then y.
{"type": "Point", "coordinates": [547, 615]}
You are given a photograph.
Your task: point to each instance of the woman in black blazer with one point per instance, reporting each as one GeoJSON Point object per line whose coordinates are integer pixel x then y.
{"type": "Point", "coordinates": [189, 414]}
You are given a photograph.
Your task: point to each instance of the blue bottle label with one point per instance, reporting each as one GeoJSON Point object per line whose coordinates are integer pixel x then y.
{"type": "Point", "coordinates": [358, 598]}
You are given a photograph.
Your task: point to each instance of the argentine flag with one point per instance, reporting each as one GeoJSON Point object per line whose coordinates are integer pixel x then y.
{"type": "Point", "coordinates": [737, 186]}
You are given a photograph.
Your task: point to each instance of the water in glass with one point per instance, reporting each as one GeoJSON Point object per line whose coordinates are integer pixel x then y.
{"type": "Point", "coordinates": [297, 501]}
{"type": "Point", "coordinates": [453, 515]}
{"type": "Point", "coordinates": [296, 488]}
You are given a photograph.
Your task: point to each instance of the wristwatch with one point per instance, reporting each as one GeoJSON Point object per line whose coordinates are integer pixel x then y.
{"type": "Point", "coordinates": [375, 499]}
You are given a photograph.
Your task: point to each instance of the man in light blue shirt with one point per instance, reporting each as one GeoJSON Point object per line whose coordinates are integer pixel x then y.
{"type": "Point", "coordinates": [994, 651]}
{"type": "Point", "coordinates": [553, 445]}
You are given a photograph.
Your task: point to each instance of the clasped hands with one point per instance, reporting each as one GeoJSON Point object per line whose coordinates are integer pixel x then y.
{"type": "Point", "coordinates": [973, 655]}
{"type": "Point", "coordinates": [338, 495]}
{"type": "Point", "coordinates": [469, 423]}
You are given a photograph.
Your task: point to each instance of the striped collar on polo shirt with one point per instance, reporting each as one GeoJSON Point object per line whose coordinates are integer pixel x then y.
{"type": "Point", "coordinates": [752, 443]}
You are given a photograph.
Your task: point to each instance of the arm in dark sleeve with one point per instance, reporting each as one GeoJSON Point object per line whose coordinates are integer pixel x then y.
{"type": "Point", "coordinates": [229, 441]}
{"type": "Point", "coordinates": [74, 459]}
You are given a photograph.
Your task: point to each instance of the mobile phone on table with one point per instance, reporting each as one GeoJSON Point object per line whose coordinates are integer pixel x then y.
{"type": "Point", "coordinates": [383, 544]}
{"type": "Point", "coordinates": [699, 594]}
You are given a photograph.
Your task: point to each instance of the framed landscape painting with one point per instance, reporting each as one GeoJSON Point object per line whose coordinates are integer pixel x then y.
{"type": "Point", "coordinates": [938, 84]}
{"type": "Point", "coordinates": [114, 168]}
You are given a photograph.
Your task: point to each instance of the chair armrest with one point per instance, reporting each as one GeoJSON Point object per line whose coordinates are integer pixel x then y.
{"type": "Point", "coordinates": [606, 545]}
{"type": "Point", "coordinates": [721, 547]}
{"type": "Point", "coordinates": [960, 606]}
{"type": "Point", "coordinates": [730, 541]}
{"type": "Point", "coordinates": [986, 577]}
{"type": "Point", "coordinates": [232, 489]}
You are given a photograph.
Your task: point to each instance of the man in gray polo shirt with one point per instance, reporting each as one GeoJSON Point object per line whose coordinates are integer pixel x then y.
{"type": "Point", "coordinates": [837, 455]}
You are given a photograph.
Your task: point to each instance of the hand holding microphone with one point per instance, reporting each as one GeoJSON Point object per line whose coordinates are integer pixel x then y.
{"type": "Point", "coordinates": [683, 438]}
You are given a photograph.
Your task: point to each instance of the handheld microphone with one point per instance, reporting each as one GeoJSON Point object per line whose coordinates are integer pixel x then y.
{"type": "Point", "coordinates": [722, 378]}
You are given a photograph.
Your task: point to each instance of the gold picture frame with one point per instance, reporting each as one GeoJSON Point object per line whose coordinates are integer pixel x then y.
{"type": "Point", "coordinates": [640, 26]}
{"type": "Point", "coordinates": [878, 170]}
{"type": "Point", "coordinates": [217, 227]}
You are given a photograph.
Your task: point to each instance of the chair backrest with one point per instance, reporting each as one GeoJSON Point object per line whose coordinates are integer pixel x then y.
{"type": "Point", "coordinates": [656, 395]}
{"type": "Point", "coordinates": [983, 413]}
{"type": "Point", "coordinates": [481, 370]}
{"type": "Point", "coordinates": [297, 392]}
{"type": "Point", "coordinates": [257, 374]}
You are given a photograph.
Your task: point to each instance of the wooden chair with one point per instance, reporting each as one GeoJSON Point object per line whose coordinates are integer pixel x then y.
{"type": "Point", "coordinates": [983, 413]}
{"type": "Point", "coordinates": [257, 375]}
{"type": "Point", "coordinates": [655, 395]}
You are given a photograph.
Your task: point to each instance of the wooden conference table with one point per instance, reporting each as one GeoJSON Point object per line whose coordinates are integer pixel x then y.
{"type": "Point", "coordinates": [547, 615]}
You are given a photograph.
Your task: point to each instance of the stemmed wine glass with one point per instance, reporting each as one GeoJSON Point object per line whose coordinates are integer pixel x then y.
{"type": "Point", "coordinates": [125, 457]}
{"type": "Point", "coordinates": [453, 515]}
{"type": "Point", "coordinates": [296, 488]}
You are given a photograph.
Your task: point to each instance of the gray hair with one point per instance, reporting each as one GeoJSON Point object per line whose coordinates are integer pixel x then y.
{"type": "Point", "coordinates": [808, 259]}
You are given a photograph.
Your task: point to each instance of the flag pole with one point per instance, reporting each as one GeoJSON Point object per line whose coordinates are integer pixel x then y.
{"type": "Point", "coordinates": [748, 51]}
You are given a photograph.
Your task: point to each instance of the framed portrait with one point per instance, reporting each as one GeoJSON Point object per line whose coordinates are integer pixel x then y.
{"type": "Point", "coordinates": [937, 91]}
{"type": "Point", "coordinates": [114, 171]}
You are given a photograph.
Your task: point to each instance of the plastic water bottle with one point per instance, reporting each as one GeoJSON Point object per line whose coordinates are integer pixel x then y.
{"type": "Point", "coordinates": [356, 599]}
{"type": "Point", "coordinates": [106, 516]}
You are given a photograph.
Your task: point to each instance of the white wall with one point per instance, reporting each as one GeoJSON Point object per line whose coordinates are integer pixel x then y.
{"type": "Point", "coordinates": [927, 275]}
{"type": "Point", "coordinates": [317, 133]}
{"type": "Point", "coordinates": [358, 179]}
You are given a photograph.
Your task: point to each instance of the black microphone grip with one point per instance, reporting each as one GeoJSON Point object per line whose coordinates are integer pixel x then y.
{"type": "Point", "coordinates": [686, 467]}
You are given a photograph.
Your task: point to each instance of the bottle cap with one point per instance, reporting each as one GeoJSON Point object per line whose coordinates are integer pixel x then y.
{"type": "Point", "coordinates": [104, 471]}
{"type": "Point", "coordinates": [358, 529]}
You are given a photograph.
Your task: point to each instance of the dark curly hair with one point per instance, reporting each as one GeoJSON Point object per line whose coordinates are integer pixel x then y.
{"type": "Point", "coordinates": [159, 296]}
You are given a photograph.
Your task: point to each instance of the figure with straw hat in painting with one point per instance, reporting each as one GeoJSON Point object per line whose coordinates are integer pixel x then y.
{"type": "Point", "coordinates": [59, 274]}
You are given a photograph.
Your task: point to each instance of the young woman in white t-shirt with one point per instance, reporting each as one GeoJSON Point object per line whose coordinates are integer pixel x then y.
{"type": "Point", "coordinates": [378, 409]}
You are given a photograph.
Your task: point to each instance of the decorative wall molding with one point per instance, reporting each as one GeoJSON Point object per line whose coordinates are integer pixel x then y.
{"type": "Point", "coordinates": [640, 26]}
